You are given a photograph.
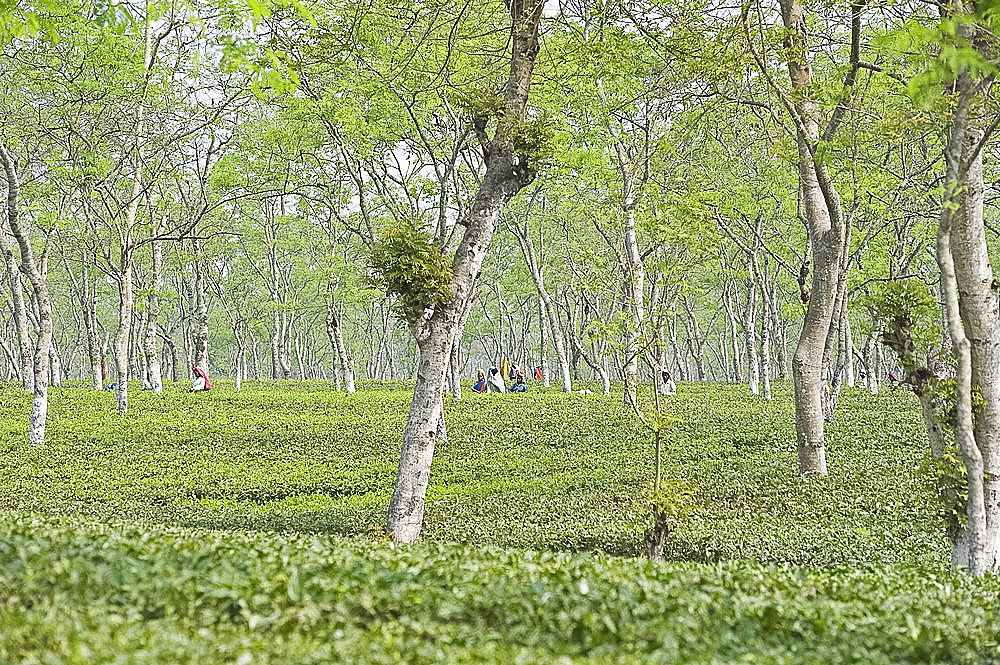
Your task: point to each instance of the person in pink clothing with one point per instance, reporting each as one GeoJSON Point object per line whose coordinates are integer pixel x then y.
{"type": "Point", "coordinates": [201, 381]}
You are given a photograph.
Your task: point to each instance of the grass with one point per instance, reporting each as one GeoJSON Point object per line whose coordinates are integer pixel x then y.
{"type": "Point", "coordinates": [244, 528]}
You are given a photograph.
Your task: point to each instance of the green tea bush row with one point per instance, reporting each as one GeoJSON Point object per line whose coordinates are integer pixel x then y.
{"type": "Point", "coordinates": [76, 591]}
{"type": "Point", "coordinates": [544, 470]}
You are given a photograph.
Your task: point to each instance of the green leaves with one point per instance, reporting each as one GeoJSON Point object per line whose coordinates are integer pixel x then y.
{"type": "Point", "coordinates": [84, 590]}
{"type": "Point", "coordinates": [674, 499]}
{"type": "Point", "coordinates": [912, 318]}
{"type": "Point", "coordinates": [412, 268]}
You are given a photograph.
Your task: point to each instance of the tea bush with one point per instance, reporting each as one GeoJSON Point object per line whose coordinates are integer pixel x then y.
{"type": "Point", "coordinates": [75, 591]}
{"type": "Point", "coordinates": [542, 470]}
{"type": "Point", "coordinates": [237, 527]}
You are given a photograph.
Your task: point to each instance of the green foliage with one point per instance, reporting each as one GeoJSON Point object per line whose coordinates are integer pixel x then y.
{"type": "Point", "coordinates": [952, 497]}
{"type": "Point", "coordinates": [479, 104]}
{"type": "Point", "coordinates": [548, 471]}
{"type": "Point", "coordinates": [86, 591]}
{"type": "Point", "coordinates": [675, 499]}
{"type": "Point", "coordinates": [534, 138]}
{"type": "Point", "coordinates": [535, 142]}
{"type": "Point", "coordinates": [912, 316]}
{"type": "Point", "coordinates": [946, 402]}
{"type": "Point", "coordinates": [122, 568]}
{"type": "Point", "coordinates": [408, 264]}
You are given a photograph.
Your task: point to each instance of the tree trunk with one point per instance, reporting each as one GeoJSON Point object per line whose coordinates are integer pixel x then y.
{"type": "Point", "coordinates": [968, 282]}
{"type": "Point", "coordinates": [123, 335]}
{"type": "Point", "coordinates": [334, 330]}
{"type": "Point", "coordinates": [850, 377]}
{"type": "Point", "coordinates": [635, 292]}
{"type": "Point", "coordinates": [548, 307]}
{"type": "Point", "coordinates": [36, 273]}
{"type": "Point", "coordinates": [750, 329]}
{"type": "Point", "coordinates": [55, 368]}
{"type": "Point", "coordinates": [284, 361]}
{"type": "Point", "coordinates": [456, 344]}
{"type": "Point", "coordinates": [200, 313]}
{"type": "Point", "coordinates": [731, 316]}
{"type": "Point", "coordinates": [506, 174]}
{"type": "Point", "coordinates": [765, 346]}
{"type": "Point", "coordinates": [823, 220]}
{"type": "Point", "coordinates": [543, 335]}
{"type": "Point", "coordinates": [94, 348]}
{"type": "Point", "coordinates": [24, 367]}
{"type": "Point", "coordinates": [153, 317]}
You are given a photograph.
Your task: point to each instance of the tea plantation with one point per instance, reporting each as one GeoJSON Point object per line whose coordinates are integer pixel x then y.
{"type": "Point", "coordinates": [243, 527]}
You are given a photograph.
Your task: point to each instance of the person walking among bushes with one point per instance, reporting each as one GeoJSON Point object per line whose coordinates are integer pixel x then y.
{"type": "Point", "coordinates": [666, 385]}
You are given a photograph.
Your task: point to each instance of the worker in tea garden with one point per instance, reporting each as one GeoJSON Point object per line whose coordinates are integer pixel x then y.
{"type": "Point", "coordinates": [519, 386]}
{"type": "Point", "coordinates": [666, 385]}
{"type": "Point", "coordinates": [495, 383]}
{"type": "Point", "coordinates": [201, 381]}
{"type": "Point", "coordinates": [894, 379]}
{"type": "Point", "coordinates": [480, 385]}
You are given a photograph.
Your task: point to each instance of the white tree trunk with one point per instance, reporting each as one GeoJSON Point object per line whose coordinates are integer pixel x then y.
{"type": "Point", "coordinates": [750, 329]}
{"type": "Point", "coordinates": [335, 331]}
{"type": "Point", "coordinates": [24, 367]}
{"type": "Point", "coordinates": [153, 318]}
{"type": "Point", "coordinates": [635, 292]}
{"type": "Point", "coordinates": [506, 174]}
{"type": "Point", "coordinates": [55, 368]}
{"type": "Point", "coordinates": [543, 336]}
{"type": "Point", "coordinates": [125, 305]}
{"type": "Point", "coordinates": [200, 313]}
{"type": "Point", "coordinates": [968, 282]}
{"type": "Point", "coordinates": [37, 277]}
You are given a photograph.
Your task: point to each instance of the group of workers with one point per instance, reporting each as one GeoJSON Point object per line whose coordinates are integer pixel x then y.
{"type": "Point", "coordinates": [496, 382]}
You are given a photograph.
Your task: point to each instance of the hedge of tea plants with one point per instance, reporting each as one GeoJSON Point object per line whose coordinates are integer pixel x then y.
{"type": "Point", "coordinates": [81, 591]}
{"type": "Point", "coordinates": [243, 527]}
{"type": "Point", "coordinates": [542, 470]}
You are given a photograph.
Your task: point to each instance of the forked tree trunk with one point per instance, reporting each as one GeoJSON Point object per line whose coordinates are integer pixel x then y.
{"type": "Point", "coordinates": [24, 365]}
{"type": "Point", "coordinates": [123, 338]}
{"type": "Point", "coordinates": [968, 282]}
{"type": "Point", "coordinates": [506, 174]}
{"type": "Point", "coordinates": [824, 226]}
{"type": "Point", "coordinates": [334, 330]}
